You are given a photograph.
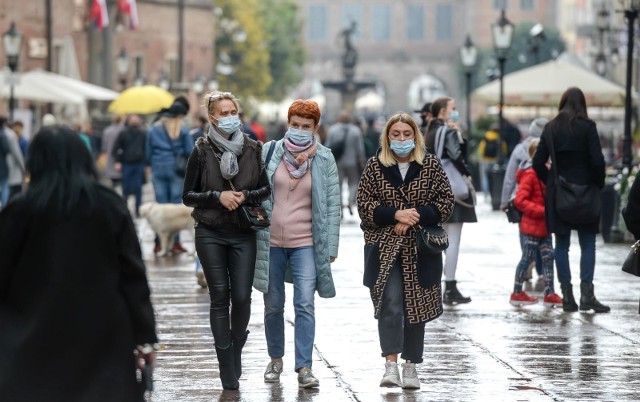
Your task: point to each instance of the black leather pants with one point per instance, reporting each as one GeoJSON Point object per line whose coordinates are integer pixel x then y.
{"type": "Point", "coordinates": [228, 261]}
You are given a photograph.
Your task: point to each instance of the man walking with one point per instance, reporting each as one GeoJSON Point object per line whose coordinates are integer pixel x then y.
{"type": "Point", "coordinates": [347, 136]}
{"type": "Point", "coordinates": [129, 153]}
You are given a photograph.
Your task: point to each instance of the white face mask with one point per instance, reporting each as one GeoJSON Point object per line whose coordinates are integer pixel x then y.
{"type": "Point", "coordinates": [229, 124]}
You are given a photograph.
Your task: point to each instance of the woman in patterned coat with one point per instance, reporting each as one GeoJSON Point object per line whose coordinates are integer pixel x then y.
{"type": "Point", "coordinates": [403, 186]}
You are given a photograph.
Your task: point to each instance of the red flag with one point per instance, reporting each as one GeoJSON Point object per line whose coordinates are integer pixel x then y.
{"type": "Point", "coordinates": [99, 13]}
{"type": "Point", "coordinates": [130, 8]}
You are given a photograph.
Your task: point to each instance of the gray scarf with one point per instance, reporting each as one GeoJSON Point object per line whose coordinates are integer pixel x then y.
{"type": "Point", "coordinates": [231, 148]}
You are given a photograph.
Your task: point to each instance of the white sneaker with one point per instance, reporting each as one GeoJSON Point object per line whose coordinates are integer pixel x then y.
{"type": "Point", "coordinates": [410, 376]}
{"type": "Point", "coordinates": [391, 376]}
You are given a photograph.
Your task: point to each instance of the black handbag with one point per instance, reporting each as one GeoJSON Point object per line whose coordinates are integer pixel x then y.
{"type": "Point", "coordinates": [632, 264]}
{"type": "Point", "coordinates": [574, 203]}
{"type": "Point", "coordinates": [513, 214]}
{"type": "Point", "coordinates": [254, 217]}
{"type": "Point", "coordinates": [431, 239]}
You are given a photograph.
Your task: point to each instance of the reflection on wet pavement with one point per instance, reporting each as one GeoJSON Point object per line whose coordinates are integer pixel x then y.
{"type": "Point", "coordinates": [486, 350]}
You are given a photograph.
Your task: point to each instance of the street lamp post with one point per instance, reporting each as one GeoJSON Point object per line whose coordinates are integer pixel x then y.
{"type": "Point", "coordinates": [122, 65]}
{"type": "Point", "coordinates": [502, 36]}
{"type": "Point", "coordinates": [468, 57]}
{"type": "Point", "coordinates": [164, 81]}
{"type": "Point", "coordinates": [12, 43]}
{"type": "Point", "coordinates": [536, 36]}
{"type": "Point", "coordinates": [630, 14]}
{"type": "Point", "coordinates": [602, 24]}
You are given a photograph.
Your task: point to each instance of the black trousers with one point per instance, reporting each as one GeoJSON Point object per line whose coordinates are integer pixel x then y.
{"type": "Point", "coordinates": [396, 336]}
{"type": "Point", "coordinates": [228, 261]}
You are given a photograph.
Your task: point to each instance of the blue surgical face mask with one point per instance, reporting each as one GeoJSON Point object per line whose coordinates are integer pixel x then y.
{"type": "Point", "coordinates": [229, 124]}
{"type": "Point", "coordinates": [402, 148]}
{"type": "Point", "coordinates": [455, 116]}
{"type": "Point", "coordinates": [299, 137]}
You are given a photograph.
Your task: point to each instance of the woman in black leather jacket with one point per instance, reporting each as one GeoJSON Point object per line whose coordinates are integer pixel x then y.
{"type": "Point", "coordinates": [455, 148]}
{"type": "Point", "coordinates": [224, 172]}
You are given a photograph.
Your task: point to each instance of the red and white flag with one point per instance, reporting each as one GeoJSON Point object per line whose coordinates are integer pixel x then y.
{"type": "Point", "coordinates": [99, 13]}
{"type": "Point", "coordinates": [130, 8]}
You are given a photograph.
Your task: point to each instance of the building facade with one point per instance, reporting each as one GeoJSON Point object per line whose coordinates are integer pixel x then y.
{"type": "Point", "coordinates": [81, 50]}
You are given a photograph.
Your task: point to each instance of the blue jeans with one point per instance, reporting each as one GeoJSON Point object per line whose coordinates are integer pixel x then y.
{"type": "Point", "coordinates": [587, 256]}
{"type": "Point", "coordinates": [167, 185]}
{"type": "Point", "coordinates": [4, 192]}
{"type": "Point", "coordinates": [301, 262]}
{"type": "Point", "coordinates": [132, 178]}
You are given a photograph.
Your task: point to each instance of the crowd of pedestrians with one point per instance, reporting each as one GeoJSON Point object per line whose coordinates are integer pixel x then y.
{"type": "Point", "coordinates": [395, 181]}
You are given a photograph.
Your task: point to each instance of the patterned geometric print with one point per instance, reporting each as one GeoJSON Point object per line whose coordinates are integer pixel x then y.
{"type": "Point", "coordinates": [430, 186]}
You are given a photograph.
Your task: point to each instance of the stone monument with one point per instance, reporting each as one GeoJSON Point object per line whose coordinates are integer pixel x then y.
{"type": "Point", "coordinates": [348, 86]}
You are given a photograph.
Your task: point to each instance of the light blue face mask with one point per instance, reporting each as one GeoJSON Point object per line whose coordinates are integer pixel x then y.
{"type": "Point", "coordinates": [455, 116]}
{"type": "Point", "coordinates": [299, 137]}
{"type": "Point", "coordinates": [402, 148]}
{"type": "Point", "coordinates": [229, 124]}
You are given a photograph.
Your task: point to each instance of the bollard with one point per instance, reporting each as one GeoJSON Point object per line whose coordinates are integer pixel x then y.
{"type": "Point", "coordinates": [496, 177]}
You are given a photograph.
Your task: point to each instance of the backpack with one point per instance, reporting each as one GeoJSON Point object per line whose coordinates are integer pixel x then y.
{"type": "Point", "coordinates": [490, 148]}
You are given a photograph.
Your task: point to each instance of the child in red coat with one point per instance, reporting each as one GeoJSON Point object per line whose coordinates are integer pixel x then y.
{"type": "Point", "coordinates": [530, 201]}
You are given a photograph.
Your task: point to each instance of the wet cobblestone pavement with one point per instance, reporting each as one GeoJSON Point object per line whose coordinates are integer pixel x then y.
{"type": "Point", "coordinates": [485, 350]}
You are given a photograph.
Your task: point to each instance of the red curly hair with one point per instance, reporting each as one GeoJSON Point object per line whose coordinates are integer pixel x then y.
{"type": "Point", "coordinates": [305, 108]}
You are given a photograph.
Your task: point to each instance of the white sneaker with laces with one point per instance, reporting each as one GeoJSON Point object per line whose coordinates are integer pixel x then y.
{"type": "Point", "coordinates": [391, 376]}
{"type": "Point", "coordinates": [410, 376]}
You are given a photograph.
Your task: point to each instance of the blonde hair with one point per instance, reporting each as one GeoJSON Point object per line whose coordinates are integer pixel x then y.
{"type": "Point", "coordinates": [172, 125]}
{"type": "Point", "coordinates": [387, 158]}
{"type": "Point", "coordinates": [212, 100]}
{"type": "Point", "coordinates": [533, 147]}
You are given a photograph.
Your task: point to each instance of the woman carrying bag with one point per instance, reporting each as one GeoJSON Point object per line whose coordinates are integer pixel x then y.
{"type": "Point", "coordinates": [224, 174]}
{"type": "Point", "coordinates": [571, 141]}
{"type": "Point", "coordinates": [402, 189]}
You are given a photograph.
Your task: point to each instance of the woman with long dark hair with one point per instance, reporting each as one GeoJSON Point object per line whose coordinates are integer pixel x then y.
{"type": "Point", "coordinates": [579, 159]}
{"type": "Point", "coordinates": [74, 299]}
{"type": "Point", "coordinates": [224, 173]}
{"type": "Point", "coordinates": [445, 115]}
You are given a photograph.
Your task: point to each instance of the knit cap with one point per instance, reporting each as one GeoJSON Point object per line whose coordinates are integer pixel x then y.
{"type": "Point", "coordinates": [537, 125]}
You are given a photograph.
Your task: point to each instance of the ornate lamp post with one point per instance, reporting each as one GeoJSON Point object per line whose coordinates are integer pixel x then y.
{"type": "Point", "coordinates": [536, 36]}
{"type": "Point", "coordinates": [631, 14]}
{"type": "Point", "coordinates": [602, 24]}
{"type": "Point", "coordinates": [502, 36]}
{"type": "Point", "coordinates": [468, 57]}
{"type": "Point", "coordinates": [122, 65]}
{"type": "Point", "coordinates": [12, 44]}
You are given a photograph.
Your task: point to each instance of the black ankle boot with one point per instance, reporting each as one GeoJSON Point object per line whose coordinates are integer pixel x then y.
{"type": "Point", "coordinates": [568, 302]}
{"type": "Point", "coordinates": [238, 344]}
{"type": "Point", "coordinates": [227, 368]}
{"type": "Point", "coordinates": [588, 300]}
{"type": "Point", "coordinates": [452, 294]}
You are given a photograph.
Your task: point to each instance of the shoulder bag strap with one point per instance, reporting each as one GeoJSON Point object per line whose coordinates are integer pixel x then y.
{"type": "Point", "coordinates": [272, 148]}
{"type": "Point", "coordinates": [439, 141]}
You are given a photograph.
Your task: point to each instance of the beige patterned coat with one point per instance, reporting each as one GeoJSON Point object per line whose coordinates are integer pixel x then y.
{"type": "Point", "coordinates": [381, 192]}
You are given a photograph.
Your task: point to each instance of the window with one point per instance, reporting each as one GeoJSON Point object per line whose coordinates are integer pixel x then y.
{"type": "Point", "coordinates": [415, 22]}
{"type": "Point", "coordinates": [527, 5]}
{"type": "Point", "coordinates": [381, 23]}
{"type": "Point", "coordinates": [500, 4]}
{"type": "Point", "coordinates": [444, 22]}
{"type": "Point", "coordinates": [317, 24]}
{"type": "Point", "coordinates": [353, 12]}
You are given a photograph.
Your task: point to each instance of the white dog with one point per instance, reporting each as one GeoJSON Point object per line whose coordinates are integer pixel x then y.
{"type": "Point", "coordinates": [167, 220]}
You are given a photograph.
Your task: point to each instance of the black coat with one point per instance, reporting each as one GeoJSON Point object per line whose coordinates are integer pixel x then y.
{"type": "Point", "coordinates": [74, 302]}
{"type": "Point", "coordinates": [631, 213]}
{"type": "Point", "coordinates": [579, 160]}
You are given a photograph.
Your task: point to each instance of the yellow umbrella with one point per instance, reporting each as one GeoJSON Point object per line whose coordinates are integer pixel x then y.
{"type": "Point", "coordinates": [141, 100]}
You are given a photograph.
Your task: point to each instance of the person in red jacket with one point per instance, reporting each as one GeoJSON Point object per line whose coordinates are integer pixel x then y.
{"type": "Point", "coordinates": [530, 201]}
